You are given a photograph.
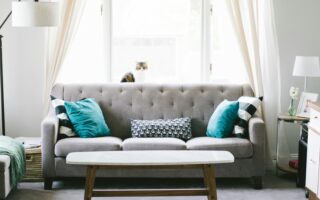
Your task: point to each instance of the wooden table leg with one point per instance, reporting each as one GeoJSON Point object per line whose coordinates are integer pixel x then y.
{"type": "Point", "coordinates": [91, 176]}
{"type": "Point", "coordinates": [210, 181]}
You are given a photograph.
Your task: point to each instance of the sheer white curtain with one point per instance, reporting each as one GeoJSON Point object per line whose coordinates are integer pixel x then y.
{"type": "Point", "coordinates": [254, 25]}
{"type": "Point", "coordinates": [58, 42]}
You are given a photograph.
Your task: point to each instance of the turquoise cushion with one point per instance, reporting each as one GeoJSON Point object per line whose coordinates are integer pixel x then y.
{"type": "Point", "coordinates": [222, 120]}
{"type": "Point", "coordinates": [87, 118]}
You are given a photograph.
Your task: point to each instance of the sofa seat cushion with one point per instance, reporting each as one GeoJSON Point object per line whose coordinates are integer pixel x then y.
{"type": "Point", "coordinates": [65, 146]}
{"type": "Point", "coordinates": [131, 144]}
{"type": "Point", "coordinates": [239, 147]}
{"type": "Point", "coordinates": [4, 162]}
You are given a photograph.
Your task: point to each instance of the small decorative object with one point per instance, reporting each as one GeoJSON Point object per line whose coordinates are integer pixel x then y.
{"type": "Point", "coordinates": [294, 92]}
{"type": "Point", "coordinates": [294, 164]}
{"type": "Point", "coordinates": [128, 77]}
{"type": "Point", "coordinates": [141, 66]}
{"type": "Point", "coordinates": [303, 107]}
{"type": "Point", "coordinates": [141, 69]}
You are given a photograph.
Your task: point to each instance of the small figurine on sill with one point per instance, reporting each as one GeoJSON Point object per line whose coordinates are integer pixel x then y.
{"type": "Point", "coordinates": [128, 77]}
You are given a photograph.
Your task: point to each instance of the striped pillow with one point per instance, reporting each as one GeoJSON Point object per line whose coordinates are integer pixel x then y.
{"type": "Point", "coordinates": [247, 107]}
{"type": "Point", "coordinates": [65, 125]}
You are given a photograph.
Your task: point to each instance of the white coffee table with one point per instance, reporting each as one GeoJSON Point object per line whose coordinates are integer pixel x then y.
{"type": "Point", "coordinates": [151, 159]}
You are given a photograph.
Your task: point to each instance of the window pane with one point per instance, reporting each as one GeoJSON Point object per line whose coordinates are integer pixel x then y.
{"type": "Point", "coordinates": [84, 62]}
{"type": "Point", "coordinates": [164, 33]}
{"type": "Point", "coordinates": [226, 59]}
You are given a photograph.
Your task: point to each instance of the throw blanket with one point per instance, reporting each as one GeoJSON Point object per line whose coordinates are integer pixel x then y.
{"type": "Point", "coordinates": [15, 150]}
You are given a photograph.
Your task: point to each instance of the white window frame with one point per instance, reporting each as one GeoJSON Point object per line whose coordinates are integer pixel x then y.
{"type": "Point", "coordinates": [106, 9]}
{"type": "Point", "coordinates": [206, 40]}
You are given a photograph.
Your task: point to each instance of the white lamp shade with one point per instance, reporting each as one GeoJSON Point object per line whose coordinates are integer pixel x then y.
{"type": "Point", "coordinates": [307, 66]}
{"type": "Point", "coordinates": [32, 13]}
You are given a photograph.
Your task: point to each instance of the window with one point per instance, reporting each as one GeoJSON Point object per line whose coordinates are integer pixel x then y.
{"type": "Point", "coordinates": [84, 62]}
{"type": "Point", "coordinates": [180, 40]}
{"type": "Point", "coordinates": [166, 34]}
{"type": "Point", "coordinates": [226, 62]}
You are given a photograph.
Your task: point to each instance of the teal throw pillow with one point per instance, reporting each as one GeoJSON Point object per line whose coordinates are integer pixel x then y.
{"type": "Point", "coordinates": [222, 120]}
{"type": "Point", "coordinates": [87, 118]}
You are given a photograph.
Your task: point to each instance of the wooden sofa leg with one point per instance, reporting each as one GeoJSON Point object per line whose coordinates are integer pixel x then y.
{"type": "Point", "coordinates": [48, 183]}
{"type": "Point", "coordinates": [257, 182]}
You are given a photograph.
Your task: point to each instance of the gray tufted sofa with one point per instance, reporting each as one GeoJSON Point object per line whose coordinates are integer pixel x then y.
{"type": "Point", "coordinates": [124, 101]}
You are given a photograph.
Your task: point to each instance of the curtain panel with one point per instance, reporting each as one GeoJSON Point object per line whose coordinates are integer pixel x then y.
{"type": "Point", "coordinates": [254, 25]}
{"type": "Point", "coordinates": [58, 42]}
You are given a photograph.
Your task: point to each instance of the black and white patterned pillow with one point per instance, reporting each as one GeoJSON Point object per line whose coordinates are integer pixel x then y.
{"type": "Point", "coordinates": [65, 125]}
{"type": "Point", "coordinates": [177, 128]}
{"type": "Point", "coordinates": [247, 107]}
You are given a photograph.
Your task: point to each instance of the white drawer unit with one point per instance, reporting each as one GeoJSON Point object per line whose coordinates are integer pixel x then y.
{"type": "Point", "coordinates": [315, 119]}
{"type": "Point", "coordinates": [313, 154]}
{"type": "Point", "coordinates": [312, 176]}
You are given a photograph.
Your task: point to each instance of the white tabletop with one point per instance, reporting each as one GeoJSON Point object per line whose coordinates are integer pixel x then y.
{"type": "Point", "coordinates": [149, 158]}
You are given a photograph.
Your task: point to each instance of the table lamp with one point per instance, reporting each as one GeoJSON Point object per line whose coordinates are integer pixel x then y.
{"type": "Point", "coordinates": [27, 14]}
{"type": "Point", "coordinates": [306, 66]}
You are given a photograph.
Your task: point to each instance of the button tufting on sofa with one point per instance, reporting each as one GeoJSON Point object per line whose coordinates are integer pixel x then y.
{"type": "Point", "coordinates": [203, 117]}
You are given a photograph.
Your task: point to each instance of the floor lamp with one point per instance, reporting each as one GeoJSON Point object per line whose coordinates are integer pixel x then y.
{"type": "Point", "coordinates": [27, 14]}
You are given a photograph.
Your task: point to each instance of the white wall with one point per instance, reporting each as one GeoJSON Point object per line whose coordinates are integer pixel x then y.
{"type": "Point", "coordinates": [298, 28]}
{"type": "Point", "coordinates": [23, 60]}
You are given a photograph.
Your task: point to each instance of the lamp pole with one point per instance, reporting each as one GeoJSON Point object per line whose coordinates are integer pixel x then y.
{"type": "Point", "coordinates": [305, 84]}
{"type": "Point", "coordinates": [1, 88]}
{"type": "Point", "coordinates": [1, 79]}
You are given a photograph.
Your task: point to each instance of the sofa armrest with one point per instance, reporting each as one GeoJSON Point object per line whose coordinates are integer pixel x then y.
{"type": "Point", "coordinates": [4, 163]}
{"type": "Point", "coordinates": [49, 131]}
{"type": "Point", "coordinates": [257, 135]}
{"type": "Point", "coordinates": [5, 186]}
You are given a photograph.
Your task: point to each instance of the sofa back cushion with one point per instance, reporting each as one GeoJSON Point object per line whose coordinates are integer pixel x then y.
{"type": "Point", "coordinates": [122, 102]}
